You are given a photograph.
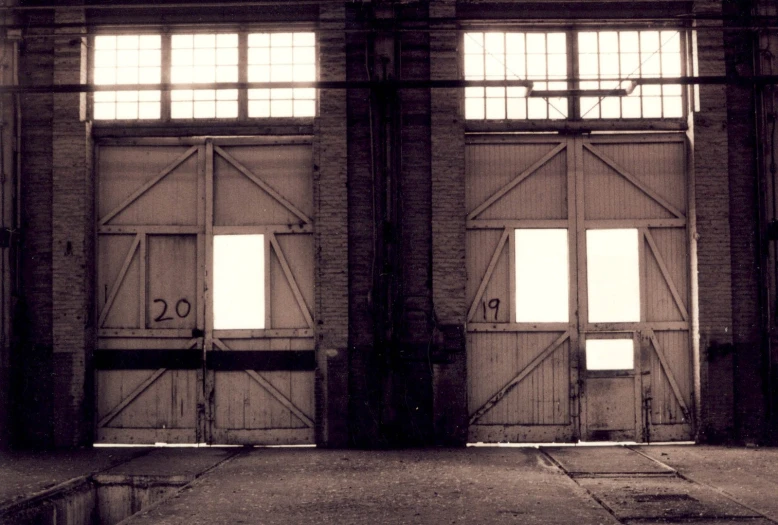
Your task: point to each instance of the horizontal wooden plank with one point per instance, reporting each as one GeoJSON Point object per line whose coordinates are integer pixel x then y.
{"type": "Point", "coordinates": [194, 141]}
{"type": "Point", "coordinates": [499, 224]}
{"type": "Point", "coordinates": [266, 228]}
{"type": "Point", "coordinates": [632, 327]}
{"type": "Point", "coordinates": [481, 126]}
{"type": "Point", "coordinates": [518, 327]}
{"type": "Point", "coordinates": [635, 223]}
{"type": "Point", "coordinates": [148, 359]}
{"type": "Point", "coordinates": [153, 230]}
{"type": "Point", "coordinates": [264, 436]}
{"type": "Point", "coordinates": [264, 334]}
{"type": "Point", "coordinates": [145, 436]}
{"type": "Point", "coordinates": [186, 333]}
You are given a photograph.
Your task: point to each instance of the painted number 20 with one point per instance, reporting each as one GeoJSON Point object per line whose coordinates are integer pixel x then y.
{"type": "Point", "coordinates": [183, 308]}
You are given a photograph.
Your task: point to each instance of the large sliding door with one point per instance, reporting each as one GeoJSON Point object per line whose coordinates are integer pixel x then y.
{"type": "Point", "coordinates": [578, 285]}
{"type": "Point", "coordinates": [205, 291]}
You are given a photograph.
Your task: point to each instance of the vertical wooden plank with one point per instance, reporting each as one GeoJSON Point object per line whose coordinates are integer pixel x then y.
{"type": "Point", "coordinates": [511, 245]}
{"type": "Point", "coordinates": [210, 379]}
{"type": "Point", "coordinates": [201, 287]}
{"type": "Point", "coordinates": [642, 273]}
{"type": "Point", "coordinates": [143, 284]}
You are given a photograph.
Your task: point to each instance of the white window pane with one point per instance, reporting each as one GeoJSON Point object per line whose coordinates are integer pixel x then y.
{"type": "Point", "coordinates": [305, 94]}
{"type": "Point", "coordinates": [281, 73]}
{"type": "Point", "coordinates": [556, 43]}
{"type": "Point", "coordinates": [105, 58]}
{"type": "Point", "coordinates": [304, 55]}
{"type": "Point", "coordinates": [474, 106]}
{"type": "Point", "coordinates": [126, 96]}
{"type": "Point", "coordinates": [259, 108]}
{"type": "Point", "coordinates": [514, 43]}
{"type": "Point", "coordinates": [629, 42]}
{"type": "Point", "coordinates": [127, 58]}
{"type": "Point", "coordinates": [282, 94]}
{"type": "Point", "coordinates": [227, 57]}
{"type": "Point", "coordinates": [205, 57]}
{"type": "Point", "coordinates": [149, 75]}
{"type": "Point", "coordinates": [557, 66]}
{"type": "Point", "coordinates": [126, 110]}
{"type": "Point", "coordinates": [150, 57]}
{"type": "Point", "coordinates": [259, 94]}
{"type": "Point", "coordinates": [204, 41]}
{"type": "Point", "coordinates": [630, 65]}
{"type": "Point", "coordinates": [652, 107]}
{"type": "Point", "coordinates": [127, 42]}
{"type": "Point", "coordinates": [474, 43]}
{"type": "Point", "coordinates": [304, 73]}
{"type": "Point", "coordinates": [281, 39]}
{"type": "Point", "coordinates": [127, 75]}
{"type": "Point", "coordinates": [671, 64]}
{"type": "Point", "coordinates": [259, 40]}
{"type": "Point", "coordinates": [495, 67]}
{"type": "Point", "coordinates": [203, 74]}
{"type": "Point", "coordinates": [590, 107]}
{"type": "Point", "coordinates": [282, 108]}
{"type": "Point", "coordinates": [587, 42]}
{"type": "Point", "coordinates": [150, 42]}
{"type": "Point", "coordinates": [181, 109]}
{"type": "Point", "coordinates": [305, 39]}
{"type": "Point", "coordinates": [673, 107]}
{"type": "Point", "coordinates": [105, 76]}
{"type": "Point", "coordinates": [227, 40]}
{"type": "Point", "coordinates": [105, 42]}
{"type": "Point", "coordinates": [182, 41]}
{"type": "Point", "coordinates": [148, 110]}
{"type": "Point", "coordinates": [259, 73]}
{"type": "Point", "coordinates": [304, 108]}
{"type": "Point", "coordinates": [104, 111]}
{"type": "Point", "coordinates": [259, 55]}
{"type": "Point", "coordinates": [226, 74]}
{"type": "Point", "coordinates": [589, 66]}
{"type": "Point", "coordinates": [517, 108]}
{"type": "Point", "coordinates": [609, 42]}
{"type": "Point", "coordinates": [542, 277]}
{"type": "Point", "coordinates": [671, 41]}
{"type": "Point", "coordinates": [226, 94]}
{"type": "Point", "coordinates": [536, 43]}
{"type": "Point", "coordinates": [557, 108]}
{"type": "Point", "coordinates": [474, 67]}
{"type": "Point", "coordinates": [227, 109]}
{"type": "Point", "coordinates": [238, 282]}
{"type": "Point", "coordinates": [630, 107]}
{"type": "Point", "coordinates": [649, 41]}
{"type": "Point", "coordinates": [610, 107]}
{"type": "Point", "coordinates": [613, 275]}
{"type": "Point", "coordinates": [495, 108]}
{"type": "Point", "coordinates": [536, 66]}
{"type": "Point", "coordinates": [650, 65]}
{"type": "Point", "coordinates": [494, 43]}
{"type": "Point", "coordinates": [610, 354]}
{"type": "Point", "coordinates": [537, 108]}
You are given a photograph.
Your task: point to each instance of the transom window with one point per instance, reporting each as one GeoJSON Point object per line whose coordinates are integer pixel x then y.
{"type": "Point", "coordinates": [204, 59]}
{"type": "Point", "coordinates": [562, 63]}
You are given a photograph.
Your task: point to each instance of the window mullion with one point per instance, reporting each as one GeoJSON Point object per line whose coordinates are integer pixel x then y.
{"type": "Point", "coordinates": [166, 64]}
{"type": "Point", "coordinates": [243, 53]}
{"type": "Point", "coordinates": [573, 102]}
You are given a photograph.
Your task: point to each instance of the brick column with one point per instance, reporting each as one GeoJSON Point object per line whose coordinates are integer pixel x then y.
{"type": "Point", "coordinates": [331, 237]}
{"type": "Point", "coordinates": [449, 273]}
{"type": "Point", "coordinates": [711, 185]}
{"type": "Point", "coordinates": [72, 251]}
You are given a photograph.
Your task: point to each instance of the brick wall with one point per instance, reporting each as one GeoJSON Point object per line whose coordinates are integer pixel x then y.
{"type": "Point", "coordinates": [711, 142]}
{"type": "Point", "coordinates": [448, 232]}
{"type": "Point", "coordinates": [32, 322]}
{"type": "Point", "coordinates": [331, 238]}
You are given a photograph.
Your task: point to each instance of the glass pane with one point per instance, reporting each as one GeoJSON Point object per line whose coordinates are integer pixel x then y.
{"type": "Point", "coordinates": [613, 275]}
{"type": "Point", "coordinates": [609, 354]}
{"type": "Point", "coordinates": [238, 282]}
{"type": "Point", "coordinates": [542, 278]}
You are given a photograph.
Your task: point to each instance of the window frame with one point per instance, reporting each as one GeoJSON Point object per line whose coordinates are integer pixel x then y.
{"type": "Point", "coordinates": [165, 118]}
{"type": "Point", "coordinates": [574, 121]}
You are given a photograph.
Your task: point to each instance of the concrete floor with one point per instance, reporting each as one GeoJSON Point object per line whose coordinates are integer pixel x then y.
{"type": "Point", "coordinates": [578, 485]}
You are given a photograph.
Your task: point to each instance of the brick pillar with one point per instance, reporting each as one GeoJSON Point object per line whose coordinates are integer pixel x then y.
{"type": "Point", "coordinates": [449, 273]}
{"type": "Point", "coordinates": [331, 237]}
{"type": "Point", "coordinates": [32, 352]}
{"type": "Point", "coordinates": [72, 253]}
{"type": "Point", "coordinates": [711, 186]}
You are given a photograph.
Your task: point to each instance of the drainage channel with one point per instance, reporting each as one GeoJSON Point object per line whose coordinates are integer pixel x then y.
{"type": "Point", "coordinates": [637, 489]}
{"type": "Point", "coordinates": [112, 496]}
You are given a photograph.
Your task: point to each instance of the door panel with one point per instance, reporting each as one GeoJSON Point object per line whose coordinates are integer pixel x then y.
{"type": "Point", "coordinates": [163, 373]}
{"type": "Point", "coordinates": [528, 381]}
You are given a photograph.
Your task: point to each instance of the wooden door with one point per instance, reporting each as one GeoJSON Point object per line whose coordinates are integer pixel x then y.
{"type": "Point", "coordinates": [163, 373]}
{"type": "Point", "coordinates": [532, 373]}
